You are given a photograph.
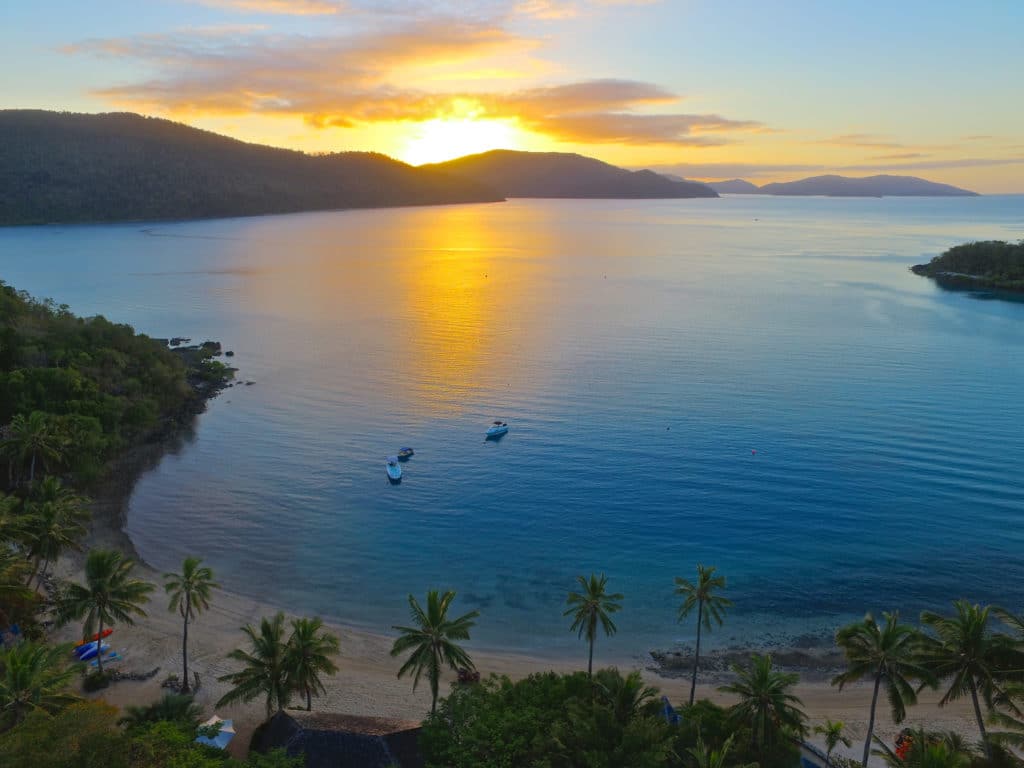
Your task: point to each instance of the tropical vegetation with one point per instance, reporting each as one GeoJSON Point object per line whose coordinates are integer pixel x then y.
{"type": "Point", "coordinates": [710, 606]}
{"type": "Point", "coordinates": [767, 704]}
{"type": "Point", "coordinates": [984, 264]}
{"type": "Point", "coordinates": [430, 641]}
{"type": "Point", "coordinates": [110, 594]}
{"type": "Point", "coordinates": [275, 668]}
{"type": "Point", "coordinates": [190, 593]}
{"type": "Point", "coordinates": [590, 607]}
{"type": "Point", "coordinates": [887, 655]}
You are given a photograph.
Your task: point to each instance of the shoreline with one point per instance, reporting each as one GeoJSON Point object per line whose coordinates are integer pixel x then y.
{"type": "Point", "coordinates": [367, 682]}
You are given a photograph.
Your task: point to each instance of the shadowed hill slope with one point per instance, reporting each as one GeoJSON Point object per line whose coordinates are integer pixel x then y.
{"type": "Point", "coordinates": [557, 174]}
{"type": "Point", "coordinates": [64, 167]}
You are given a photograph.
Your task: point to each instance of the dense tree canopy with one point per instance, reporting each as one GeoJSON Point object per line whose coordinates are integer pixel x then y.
{"type": "Point", "coordinates": [985, 264]}
{"type": "Point", "coordinates": [74, 391]}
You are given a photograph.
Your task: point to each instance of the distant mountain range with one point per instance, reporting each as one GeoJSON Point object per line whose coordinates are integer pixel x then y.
{"type": "Point", "coordinates": [64, 167]}
{"type": "Point", "coordinates": [845, 186]}
{"type": "Point", "coordinates": [558, 174]}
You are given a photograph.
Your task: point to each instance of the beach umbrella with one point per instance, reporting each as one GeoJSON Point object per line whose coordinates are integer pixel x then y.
{"type": "Point", "coordinates": [223, 737]}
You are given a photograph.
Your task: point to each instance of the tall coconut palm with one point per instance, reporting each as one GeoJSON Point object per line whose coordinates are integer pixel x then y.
{"type": "Point", "coordinates": [110, 594]}
{"type": "Point", "coordinates": [266, 672]}
{"type": "Point", "coordinates": [886, 654]}
{"type": "Point", "coordinates": [591, 606]}
{"type": "Point", "coordinates": [308, 656]}
{"type": "Point", "coordinates": [431, 641]}
{"type": "Point", "coordinates": [709, 605]}
{"type": "Point", "coordinates": [767, 704]}
{"type": "Point", "coordinates": [56, 518]}
{"type": "Point", "coordinates": [34, 676]}
{"type": "Point", "coordinates": [967, 652]}
{"type": "Point", "coordinates": [190, 595]}
{"type": "Point", "coordinates": [834, 735]}
{"type": "Point", "coordinates": [32, 439]}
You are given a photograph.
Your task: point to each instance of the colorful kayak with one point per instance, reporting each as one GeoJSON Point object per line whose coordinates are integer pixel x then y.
{"type": "Point", "coordinates": [91, 653]}
{"type": "Point", "coordinates": [98, 636]}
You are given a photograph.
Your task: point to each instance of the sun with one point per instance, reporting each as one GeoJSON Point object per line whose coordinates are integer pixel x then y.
{"type": "Point", "coordinates": [440, 139]}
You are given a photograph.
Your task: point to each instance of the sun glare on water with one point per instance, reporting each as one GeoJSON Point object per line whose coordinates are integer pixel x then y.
{"type": "Point", "coordinates": [435, 141]}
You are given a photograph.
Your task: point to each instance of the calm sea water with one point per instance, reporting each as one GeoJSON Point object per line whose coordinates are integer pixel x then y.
{"type": "Point", "coordinates": [641, 351]}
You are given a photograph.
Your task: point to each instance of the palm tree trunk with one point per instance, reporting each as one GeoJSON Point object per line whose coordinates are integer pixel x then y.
{"type": "Point", "coordinates": [99, 649]}
{"type": "Point", "coordinates": [590, 660]}
{"type": "Point", "coordinates": [871, 719]}
{"type": "Point", "coordinates": [35, 570]}
{"type": "Point", "coordinates": [828, 759]}
{"type": "Point", "coordinates": [184, 646]}
{"type": "Point", "coordinates": [42, 574]}
{"type": "Point", "coordinates": [981, 721]}
{"type": "Point", "coordinates": [309, 699]}
{"type": "Point", "coordinates": [696, 656]}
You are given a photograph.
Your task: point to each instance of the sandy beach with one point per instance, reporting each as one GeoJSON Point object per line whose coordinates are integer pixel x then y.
{"type": "Point", "coordinates": [367, 683]}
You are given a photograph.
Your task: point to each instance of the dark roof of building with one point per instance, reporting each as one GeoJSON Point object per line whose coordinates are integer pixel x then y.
{"type": "Point", "coordinates": [329, 740]}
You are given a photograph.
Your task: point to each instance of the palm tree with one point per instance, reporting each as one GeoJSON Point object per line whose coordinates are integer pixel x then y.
{"type": "Point", "coordinates": [767, 704]}
{"type": "Point", "coordinates": [627, 697]}
{"type": "Point", "coordinates": [705, 757]}
{"type": "Point", "coordinates": [589, 607]}
{"type": "Point", "coordinates": [886, 654]}
{"type": "Point", "coordinates": [56, 522]}
{"type": "Point", "coordinates": [309, 655]}
{"type": "Point", "coordinates": [265, 672]}
{"type": "Point", "coordinates": [832, 730]}
{"type": "Point", "coordinates": [190, 596]}
{"type": "Point", "coordinates": [32, 439]}
{"type": "Point", "coordinates": [709, 606]}
{"type": "Point", "coordinates": [110, 594]}
{"type": "Point", "coordinates": [974, 658]}
{"type": "Point", "coordinates": [34, 676]}
{"type": "Point", "coordinates": [430, 641]}
{"type": "Point", "coordinates": [172, 708]}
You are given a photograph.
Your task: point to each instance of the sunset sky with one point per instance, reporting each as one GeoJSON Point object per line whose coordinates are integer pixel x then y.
{"type": "Point", "coordinates": [763, 90]}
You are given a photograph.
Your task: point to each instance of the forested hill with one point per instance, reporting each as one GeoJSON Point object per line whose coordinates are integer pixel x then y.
{"type": "Point", "coordinates": [559, 174]}
{"type": "Point", "coordinates": [64, 167]}
{"type": "Point", "coordinates": [985, 264]}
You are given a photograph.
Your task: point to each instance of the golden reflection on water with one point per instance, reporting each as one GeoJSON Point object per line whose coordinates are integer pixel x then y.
{"type": "Point", "coordinates": [427, 308]}
{"type": "Point", "coordinates": [468, 292]}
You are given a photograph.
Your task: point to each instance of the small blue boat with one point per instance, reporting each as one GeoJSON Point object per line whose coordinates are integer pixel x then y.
{"type": "Point", "coordinates": [393, 469]}
{"type": "Point", "coordinates": [405, 453]}
{"type": "Point", "coordinates": [497, 429]}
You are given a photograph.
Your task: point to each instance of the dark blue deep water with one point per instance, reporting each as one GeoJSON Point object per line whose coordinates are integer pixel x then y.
{"type": "Point", "coordinates": [641, 351]}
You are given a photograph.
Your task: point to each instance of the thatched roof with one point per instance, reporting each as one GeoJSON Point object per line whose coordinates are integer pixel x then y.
{"type": "Point", "coordinates": [331, 740]}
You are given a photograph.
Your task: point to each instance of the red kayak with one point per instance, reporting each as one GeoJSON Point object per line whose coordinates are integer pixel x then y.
{"type": "Point", "coordinates": [106, 633]}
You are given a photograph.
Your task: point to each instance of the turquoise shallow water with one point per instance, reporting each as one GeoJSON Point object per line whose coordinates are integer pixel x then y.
{"type": "Point", "coordinates": [641, 351]}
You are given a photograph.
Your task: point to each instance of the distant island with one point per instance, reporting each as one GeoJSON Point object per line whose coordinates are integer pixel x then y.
{"type": "Point", "coordinates": [565, 175]}
{"type": "Point", "coordinates": [65, 167]}
{"type": "Point", "coordinates": [992, 264]}
{"type": "Point", "coordinates": [846, 186]}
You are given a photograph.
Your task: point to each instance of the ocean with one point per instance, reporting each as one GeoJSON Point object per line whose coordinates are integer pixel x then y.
{"type": "Point", "coordinates": [754, 383]}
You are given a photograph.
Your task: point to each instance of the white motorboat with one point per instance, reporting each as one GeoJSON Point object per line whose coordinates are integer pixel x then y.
{"type": "Point", "coordinates": [393, 468]}
{"type": "Point", "coordinates": [497, 429]}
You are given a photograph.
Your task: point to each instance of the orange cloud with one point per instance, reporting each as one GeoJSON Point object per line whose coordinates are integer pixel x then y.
{"type": "Point", "coordinates": [363, 78]}
{"type": "Point", "coordinates": [288, 7]}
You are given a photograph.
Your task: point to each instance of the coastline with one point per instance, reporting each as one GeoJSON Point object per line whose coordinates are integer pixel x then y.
{"type": "Point", "coordinates": [367, 683]}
